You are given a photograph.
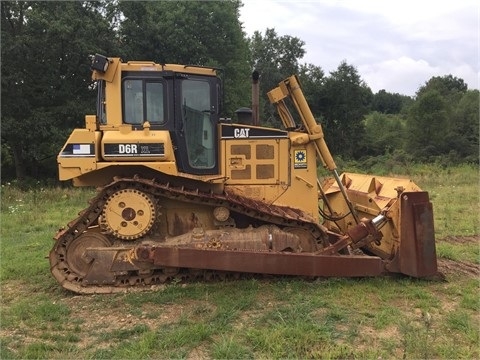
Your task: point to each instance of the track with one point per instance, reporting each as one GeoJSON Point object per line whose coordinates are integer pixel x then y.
{"type": "Point", "coordinates": [68, 272]}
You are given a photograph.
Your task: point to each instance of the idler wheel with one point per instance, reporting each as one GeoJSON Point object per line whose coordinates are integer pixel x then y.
{"type": "Point", "coordinates": [76, 256]}
{"type": "Point", "coordinates": [128, 214]}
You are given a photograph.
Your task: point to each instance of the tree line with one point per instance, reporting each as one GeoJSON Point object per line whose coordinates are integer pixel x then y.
{"type": "Point", "coordinates": [47, 90]}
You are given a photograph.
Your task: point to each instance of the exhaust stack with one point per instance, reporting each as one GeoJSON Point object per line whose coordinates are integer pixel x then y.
{"type": "Point", "coordinates": [255, 96]}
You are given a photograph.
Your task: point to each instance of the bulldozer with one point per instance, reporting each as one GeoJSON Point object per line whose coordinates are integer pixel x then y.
{"type": "Point", "coordinates": [183, 193]}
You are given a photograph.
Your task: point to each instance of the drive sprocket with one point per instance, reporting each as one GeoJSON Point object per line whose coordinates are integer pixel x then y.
{"type": "Point", "coordinates": [128, 214]}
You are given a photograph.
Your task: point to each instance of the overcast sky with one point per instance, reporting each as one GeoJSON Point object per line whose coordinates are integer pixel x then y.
{"type": "Point", "coordinates": [394, 45]}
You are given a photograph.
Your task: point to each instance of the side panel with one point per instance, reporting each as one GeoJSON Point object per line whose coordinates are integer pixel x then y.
{"type": "Point", "coordinates": [79, 155]}
{"type": "Point", "coordinates": [261, 163]}
{"type": "Point", "coordinates": [255, 162]}
{"type": "Point", "coordinates": [254, 156]}
{"type": "Point", "coordinates": [303, 190]}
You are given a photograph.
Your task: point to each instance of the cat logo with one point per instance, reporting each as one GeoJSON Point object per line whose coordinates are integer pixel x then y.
{"type": "Point", "coordinates": [240, 133]}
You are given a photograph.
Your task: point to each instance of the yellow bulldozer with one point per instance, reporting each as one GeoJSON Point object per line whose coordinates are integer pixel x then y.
{"type": "Point", "coordinates": [186, 194]}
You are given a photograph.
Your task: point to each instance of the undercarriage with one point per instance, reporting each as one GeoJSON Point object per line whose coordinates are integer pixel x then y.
{"type": "Point", "coordinates": [137, 233]}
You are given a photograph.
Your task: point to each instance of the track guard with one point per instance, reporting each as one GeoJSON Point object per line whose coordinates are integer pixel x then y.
{"type": "Point", "coordinates": [417, 253]}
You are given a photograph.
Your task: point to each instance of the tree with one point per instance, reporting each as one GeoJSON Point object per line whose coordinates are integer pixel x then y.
{"type": "Point", "coordinates": [46, 87]}
{"type": "Point", "coordinates": [388, 103]}
{"type": "Point", "coordinates": [444, 121]}
{"type": "Point", "coordinates": [275, 58]}
{"type": "Point", "coordinates": [345, 102]}
{"type": "Point", "coordinates": [384, 133]}
{"type": "Point", "coordinates": [185, 32]}
{"type": "Point", "coordinates": [427, 126]}
{"type": "Point", "coordinates": [312, 79]}
{"type": "Point", "coordinates": [463, 136]}
{"type": "Point", "coordinates": [446, 86]}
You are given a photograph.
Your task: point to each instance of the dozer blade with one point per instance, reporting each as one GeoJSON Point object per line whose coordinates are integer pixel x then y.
{"type": "Point", "coordinates": [407, 241]}
{"type": "Point", "coordinates": [417, 253]}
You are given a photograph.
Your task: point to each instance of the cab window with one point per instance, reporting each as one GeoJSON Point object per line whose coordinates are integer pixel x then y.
{"type": "Point", "coordinates": [143, 100]}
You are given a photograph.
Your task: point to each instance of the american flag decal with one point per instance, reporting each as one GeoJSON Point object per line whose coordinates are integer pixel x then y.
{"type": "Point", "coordinates": [81, 149]}
{"type": "Point", "coordinates": [78, 150]}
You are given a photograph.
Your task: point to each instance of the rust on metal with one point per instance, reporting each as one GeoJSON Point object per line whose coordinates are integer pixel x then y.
{"type": "Point", "coordinates": [417, 249]}
{"type": "Point", "coordinates": [275, 263]}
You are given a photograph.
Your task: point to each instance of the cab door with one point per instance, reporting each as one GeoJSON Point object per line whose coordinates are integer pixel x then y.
{"type": "Point", "coordinates": [195, 136]}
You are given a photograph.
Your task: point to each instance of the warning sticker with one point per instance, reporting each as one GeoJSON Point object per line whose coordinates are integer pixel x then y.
{"type": "Point", "coordinates": [300, 159]}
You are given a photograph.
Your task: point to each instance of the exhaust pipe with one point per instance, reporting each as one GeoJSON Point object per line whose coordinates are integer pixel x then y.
{"type": "Point", "coordinates": [255, 96]}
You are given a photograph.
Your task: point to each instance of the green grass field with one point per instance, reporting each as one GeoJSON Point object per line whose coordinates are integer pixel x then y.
{"type": "Point", "coordinates": [387, 318]}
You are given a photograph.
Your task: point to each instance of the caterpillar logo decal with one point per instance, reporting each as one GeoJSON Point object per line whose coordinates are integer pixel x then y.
{"type": "Point", "coordinates": [245, 132]}
{"type": "Point", "coordinates": [241, 133]}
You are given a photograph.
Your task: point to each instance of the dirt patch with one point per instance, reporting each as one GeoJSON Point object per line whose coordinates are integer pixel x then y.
{"type": "Point", "coordinates": [95, 318]}
{"type": "Point", "coordinates": [462, 239]}
{"type": "Point", "coordinates": [198, 353]}
{"type": "Point", "coordinates": [451, 267]}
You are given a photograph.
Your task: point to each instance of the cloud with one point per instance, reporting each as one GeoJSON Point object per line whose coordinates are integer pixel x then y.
{"type": "Point", "coordinates": [403, 74]}
{"type": "Point", "coordinates": [395, 45]}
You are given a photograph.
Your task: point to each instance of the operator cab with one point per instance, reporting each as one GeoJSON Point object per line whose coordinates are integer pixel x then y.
{"type": "Point", "coordinates": [182, 100]}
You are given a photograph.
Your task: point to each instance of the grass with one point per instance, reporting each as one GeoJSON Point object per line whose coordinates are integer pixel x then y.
{"type": "Point", "coordinates": [385, 317]}
{"type": "Point", "coordinates": [455, 193]}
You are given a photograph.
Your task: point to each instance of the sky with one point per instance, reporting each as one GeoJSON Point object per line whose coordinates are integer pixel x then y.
{"type": "Point", "coordinates": [394, 45]}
